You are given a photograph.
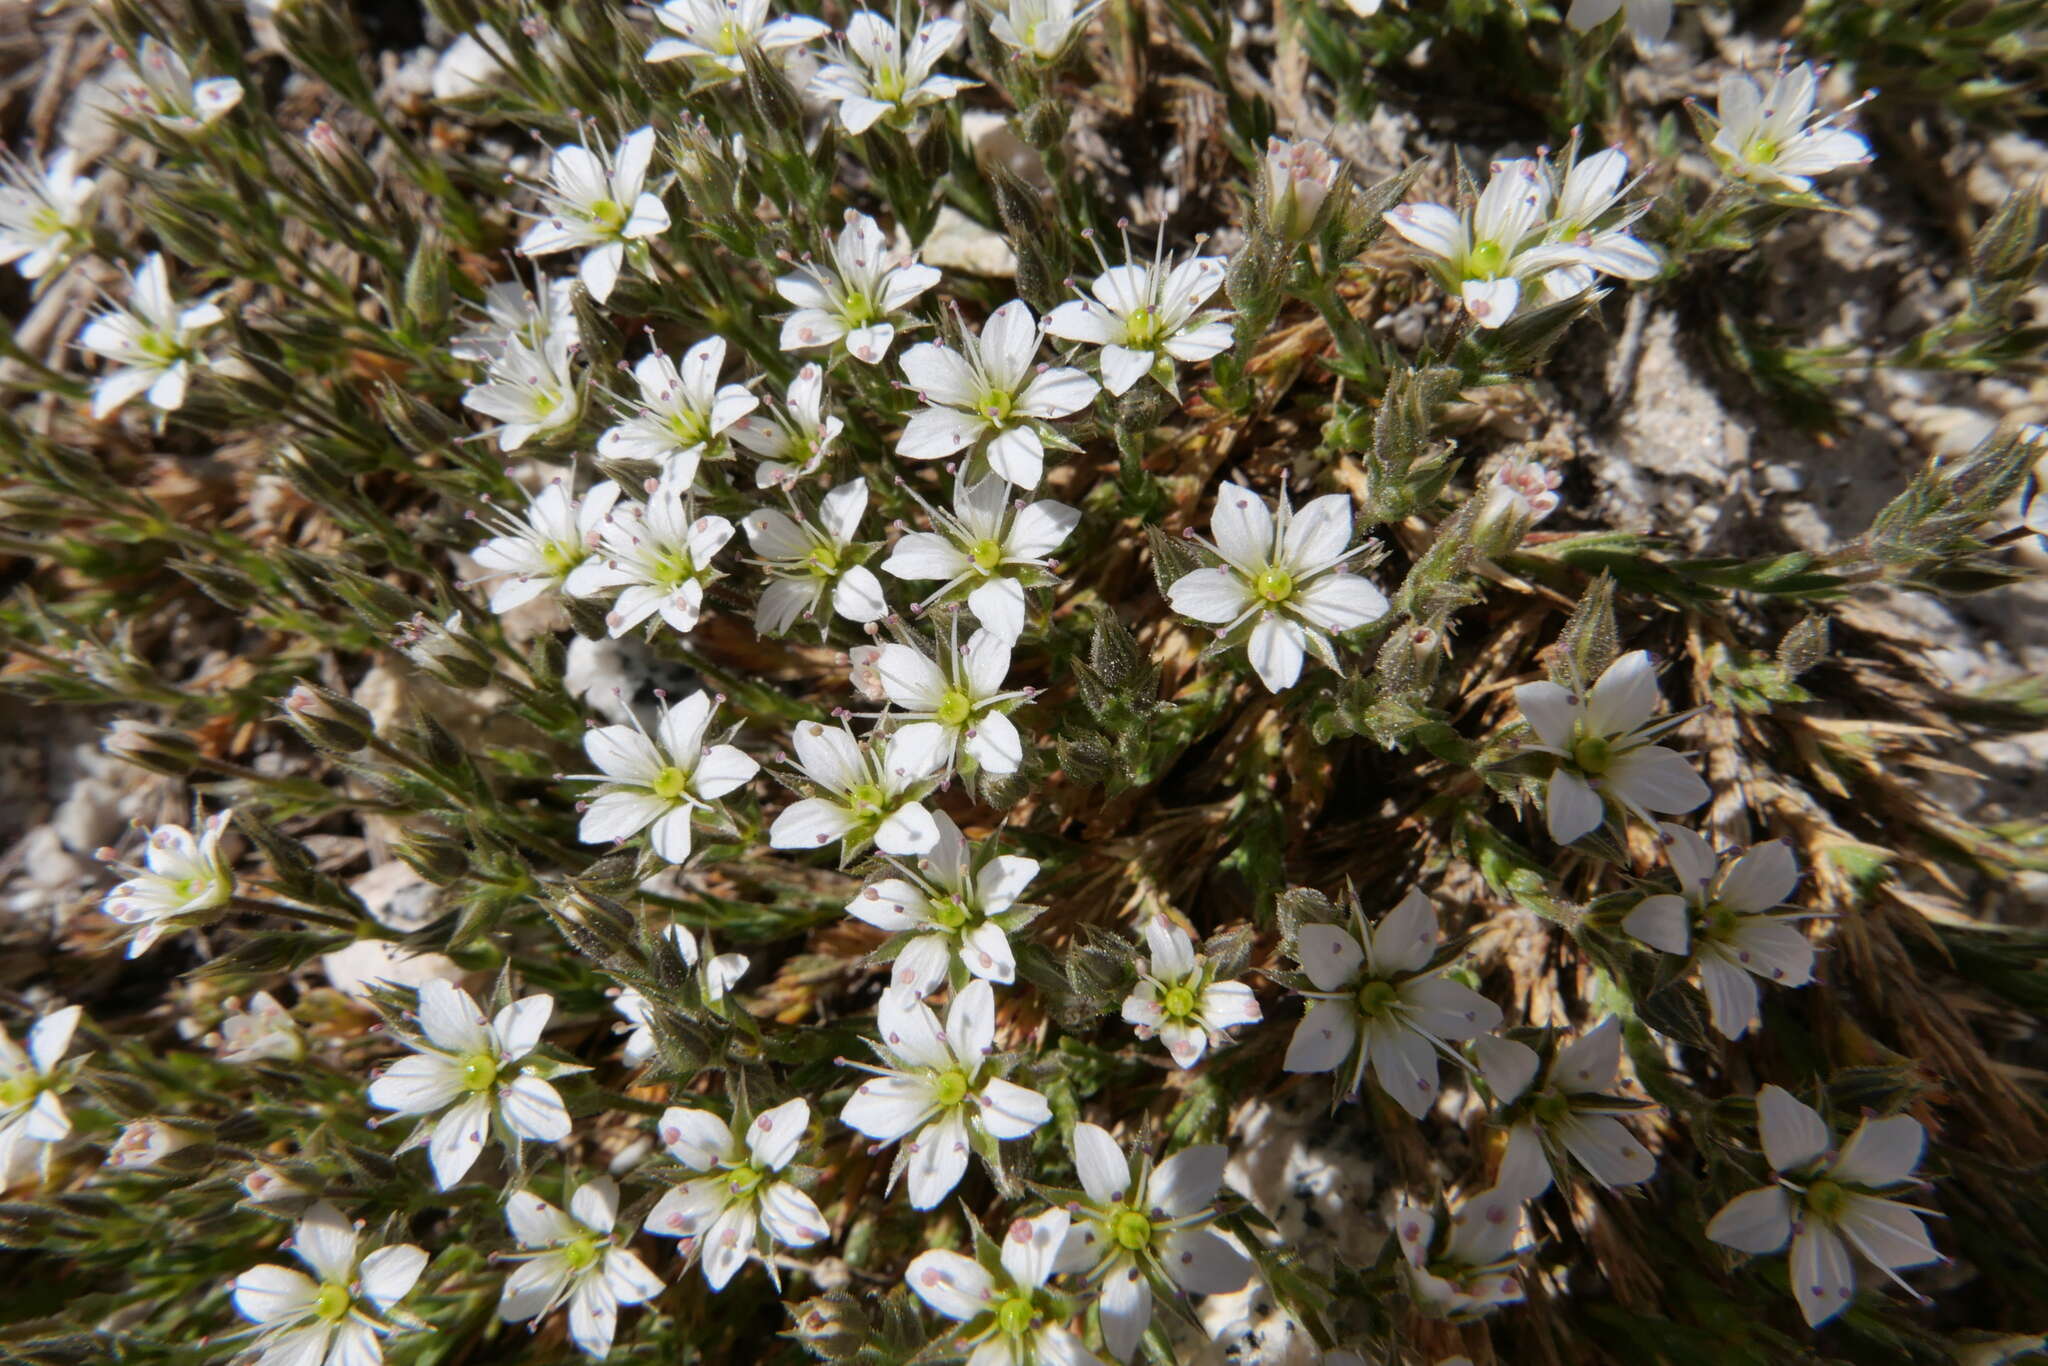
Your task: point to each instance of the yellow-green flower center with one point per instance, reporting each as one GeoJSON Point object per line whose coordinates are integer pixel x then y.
{"type": "Point", "coordinates": [947, 913]}
{"type": "Point", "coordinates": [1142, 328]}
{"type": "Point", "coordinates": [1721, 920]}
{"type": "Point", "coordinates": [671, 784]}
{"type": "Point", "coordinates": [584, 1252]}
{"type": "Point", "coordinates": [559, 558]}
{"type": "Point", "coordinates": [952, 1088]}
{"type": "Point", "coordinates": [866, 799]}
{"type": "Point", "coordinates": [1132, 1230]}
{"type": "Point", "coordinates": [1376, 999]}
{"type": "Point", "coordinates": [479, 1072]}
{"type": "Point", "coordinates": [746, 1178]}
{"type": "Point", "coordinates": [1551, 1108]}
{"type": "Point", "coordinates": [1015, 1317]}
{"type": "Point", "coordinates": [1484, 261]}
{"type": "Point", "coordinates": [331, 1304]}
{"type": "Point", "coordinates": [857, 310]}
{"type": "Point", "coordinates": [609, 215]}
{"type": "Point", "coordinates": [954, 709]}
{"type": "Point", "coordinates": [824, 559]}
{"type": "Point", "coordinates": [20, 1090]}
{"type": "Point", "coordinates": [986, 555]}
{"type": "Point", "coordinates": [1594, 754]}
{"type": "Point", "coordinates": [1274, 584]}
{"type": "Point", "coordinates": [1178, 1003]}
{"type": "Point", "coordinates": [1826, 1198]}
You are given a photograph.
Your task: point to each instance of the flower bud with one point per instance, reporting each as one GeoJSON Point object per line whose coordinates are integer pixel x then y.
{"type": "Point", "coordinates": [446, 651]}
{"type": "Point", "coordinates": [268, 1186]}
{"type": "Point", "coordinates": [263, 1032]}
{"type": "Point", "coordinates": [1520, 494]}
{"type": "Point", "coordinates": [146, 1142]}
{"type": "Point", "coordinates": [1804, 646]}
{"type": "Point", "coordinates": [437, 857]}
{"type": "Point", "coordinates": [156, 748]}
{"type": "Point", "coordinates": [832, 1327]}
{"type": "Point", "coordinates": [328, 720]}
{"type": "Point", "coordinates": [1296, 181]}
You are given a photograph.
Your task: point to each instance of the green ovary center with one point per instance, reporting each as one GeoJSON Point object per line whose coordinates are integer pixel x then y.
{"type": "Point", "coordinates": [559, 558]}
{"type": "Point", "coordinates": [866, 800]}
{"type": "Point", "coordinates": [159, 346]}
{"type": "Point", "coordinates": [728, 41]}
{"type": "Point", "coordinates": [1762, 151]}
{"type": "Point", "coordinates": [1016, 1316]}
{"type": "Point", "coordinates": [1142, 327]}
{"type": "Point", "coordinates": [674, 570]}
{"type": "Point", "coordinates": [951, 1088]}
{"type": "Point", "coordinates": [1594, 755]}
{"type": "Point", "coordinates": [18, 1091]}
{"type": "Point", "coordinates": [947, 913]}
{"type": "Point", "coordinates": [1826, 1199]}
{"type": "Point", "coordinates": [1274, 584]}
{"type": "Point", "coordinates": [857, 310]}
{"type": "Point", "coordinates": [746, 1179]}
{"type": "Point", "coordinates": [1178, 1003]}
{"type": "Point", "coordinates": [1485, 260]}
{"type": "Point", "coordinates": [688, 429]}
{"type": "Point", "coordinates": [608, 215]}
{"type": "Point", "coordinates": [1376, 999]}
{"type": "Point", "coordinates": [996, 404]}
{"type": "Point", "coordinates": [1552, 1108]}
{"type": "Point", "coordinates": [582, 1253]}
{"type": "Point", "coordinates": [986, 555]}
{"type": "Point", "coordinates": [1721, 920]}
{"type": "Point", "coordinates": [331, 1304]}
{"type": "Point", "coordinates": [671, 784]}
{"type": "Point", "coordinates": [479, 1072]}
{"type": "Point", "coordinates": [1131, 1230]}
{"type": "Point", "coordinates": [824, 559]}
{"type": "Point", "coordinates": [46, 222]}
{"type": "Point", "coordinates": [954, 709]}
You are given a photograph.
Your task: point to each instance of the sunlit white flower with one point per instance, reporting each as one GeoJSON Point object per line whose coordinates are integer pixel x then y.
{"type": "Point", "coordinates": [1567, 1111]}
{"type": "Point", "coordinates": [1829, 1202]}
{"type": "Point", "coordinates": [741, 1207]}
{"type": "Point", "coordinates": [1484, 255]}
{"type": "Point", "coordinates": [939, 1085]}
{"type": "Point", "coordinates": [719, 976]}
{"type": "Point", "coordinates": [534, 555]}
{"type": "Point", "coordinates": [1590, 215]}
{"type": "Point", "coordinates": [1145, 316]}
{"type": "Point", "coordinates": [150, 345]}
{"type": "Point", "coordinates": [950, 919]}
{"type": "Point", "coordinates": [597, 205]}
{"type": "Point", "coordinates": [959, 697]}
{"type": "Point", "coordinates": [866, 791]}
{"type": "Point", "coordinates": [988, 546]}
{"type": "Point", "coordinates": [1039, 28]}
{"type": "Point", "coordinates": [263, 1032]}
{"type": "Point", "coordinates": [468, 1071]}
{"type": "Point", "coordinates": [45, 212]}
{"type": "Point", "coordinates": [1648, 20]}
{"type": "Point", "coordinates": [714, 36]}
{"type": "Point", "coordinates": [1143, 1230]}
{"type": "Point", "coordinates": [665, 779]}
{"type": "Point", "coordinates": [1179, 998]}
{"type": "Point", "coordinates": [31, 1080]}
{"type": "Point", "coordinates": [986, 396]}
{"type": "Point", "coordinates": [682, 410]}
{"type": "Point", "coordinates": [529, 388]}
{"type": "Point", "coordinates": [1770, 137]}
{"type": "Point", "coordinates": [1724, 916]}
{"type": "Point", "coordinates": [1296, 180]}
{"type": "Point", "coordinates": [336, 1319]}
{"type": "Point", "coordinates": [185, 880]}
{"type": "Point", "coordinates": [811, 558]}
{"type": "Point", "coordinates": [856, 298]}
{"type": "Point", "coordinates": [657, 556]}
{"type": "Point", "coordinates": [1466, 1268]}
{"type": "Point", "coordinates": [1004, 1310]}
{"type": "Point", "coordinates": [170, 95]}
{"type": "Point", "coordinates": [874, 76]}
{"type": "Point", "coordinates": [793, 437]}
{"type": "Point", "coordinates": [1381, 997]}
{"type": "Point", "coordinates": [1284, 577]}
{"type": "Point", "coordinates": [1602, 743]}
{"type": "Point", "coordinates": [577, 1257]}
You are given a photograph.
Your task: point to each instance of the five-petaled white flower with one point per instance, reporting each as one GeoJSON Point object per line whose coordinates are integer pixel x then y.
{"type": "Point", "coordinates": [1466, 1269]}
{"type": "Point", "coordinates": [529, 387]}
{"type": "Point", "coordinates": [1484, 255]}
{"type": "Point", "coordinates": [1770, 137]}
{"type": "Point", "coordinates": [1828, 1203]}
{"type": "Point", "coordinates": [1039, 28]}
{"type": "Point", "coordinates": [1568, 1111]}
{"type": "Point", "coordinates": [741, 1207]}
{"type": "Point", "coordinates": [718, 978]}
{"type": "Point", "coordinates": [868, 790]}
{"type": "Point", "coordinates": [333, 1321]}
{"type": "Point", "coordinates": [31, 1080]}
{"type": "Point", "coordinates": [792, 438]}
{"type": "Point", "coordinates": [681, 411]}
{"type": "Point", "coordinates": [1602, 743]}
{"type": "Point", "coordinates": [1381, 998]}
{"type": "Point", "coordinates": [714, 36]}
{"type": "Point", "coordinates": [166, 89]}
{"type": "Point", "coordinates": [989, 543]}
{"type": "Point", "coordinates": [468, 1070]}
{"type": "Point", "coordinates": [185, 880]}
{"type": "Point", "coordinates": [946, 912]}
{"type": "Point", "coordinates": [534, 555]}
{"type": "Point", "coordinates": [1648, 20]}
{"type": "Point", "coordinates": [1147, 315]}
{"type": "Point", "coordinates": [1009, 1318]}
{"type": "Point", "coordinates": [151, 344]}
{"type": "Point", "coordinates": [1284, 576]}
{"type": "Point", "coordinates": [940, 1086]}
{"type": "Point", "coordinates": [855, 299]}
{"type": "Point", "coordinates": [1179, 998]}
{"type": "Point", "coordinates": [45, 212]}
{"type": "Point", "coordinates": [665, 779]}
{"type": "Point", "coordinates": [1143, 1228]}
{"type": "Point", "coordinates": [957, 701]}
{"type": "Point", "coordinates": [512, 312]}
{"type": "Point", "coordinates": [575, 1257]}
{"type": "Point", "coordinates": [1722, 916]}
{"type": "Point", "coordinates": [873, 76]}
{"type": "Point", "coordinates": [598, 205]}
{"type": "Point", "coordinates": [1589, 216]}
{"type": "Point", "coordinates": [809, 558]}
{"type": "Point", "coordinates": [986, 396]}
{"type": "Point", "coordinates": [658, 556]}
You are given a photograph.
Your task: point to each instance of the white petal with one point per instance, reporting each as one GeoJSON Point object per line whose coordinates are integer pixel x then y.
{"type": "Point", "coordinates": [1032, 1246]}
{"type": "Point", "coordinates": [775, 1135]}
{"type": "Point", "coordinates": [533, 1109]}
{"type": "Point", "coordinates": [389, 1273]}
{"type": "Point", "coordinates": [267, 1293]}
{"type": "Point", "coordinates": [1605, 1147]}
{"type": "Point", "coordinates": [791, 1217]}
{"type": "Point", "coordinates": [1242, 526]}
{"type": "Point", "coordinates": [1731, 995]}
{"type": "Point", "coordinates": [1323, 1039]}
{"type": "Point", "coordinates": [1104, 1170]}
{"type": "Point", "coordinates": [1058, 392]}
{"type": "Point", "coordinates": [1524, 1169]}
{"type": "Point", "coordinates": [1589, 1063]}
{"type": "Point", "coordinates": [450, 1019]}
{"type": "Point", "coordinates": [1125, 1305]}
{"type": "Point", "coordinates": [1406, 937]}
{"type": "Point", "coordinates": [1550, 712]}
{"type": "Point", "coordinates": [1329, 956]}
{"type": "Point", "coordinates": [1625, 697]}
{"type": "Point", "coordinates": [1187, 1182]}
{"type": "Point", "coordinates": [1018, 456]}
{"type": "Point", "coordinates": [1762, 878]}
{"type": "Point", "coordinates": [935, 433]}
{"type": "Point", "coordinates": [951, 1284]}
{"type": "Point", "coordinates": [1573, 809]}
{"type": "Point", "coordinates": [459, 1138]}
{"type": "Point", "coordinates": [1011, 1110]}
{"type": "Point", "coordinates": [1882, 1152]}
{"type": "Point", "coordinates": [1201, 1263]}
{"type": "Point", "coordinates": [809, 824]}
{"type": "Point", "coordinates": [1508, 1066]}
{"type": "Point", "coordinates": [1793, 1133]}
{"type": "Point", "coordinates": [1663, 922]}
{"type": "Point", "coordinates": [1886, 1232]}
{"type": "Point", "coordinates": [1339, 602]}
{"type": "Point", "coordinates": [326, 1241]}
{"type": "Point", "coordinates": [1492, 302]}
{"type": "Point", "coordinates": [937, 1161]}
{"type": "Point", "coordinates": [1821, 1274]}
{"type": "Point", "coordinates": [417, 1085]}
{"type": "Point", "coordinates": [695, 1138]}
{"type": "Point", "coordinates": [1276, 652]}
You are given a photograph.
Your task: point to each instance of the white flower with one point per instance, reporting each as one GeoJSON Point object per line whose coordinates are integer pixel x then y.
{"type": "Point", "coordinates": [741, 1207]}
{"type": "Point", "coordinates": [1589, 217]}
{"type": "Point", "coordinates": [793, 437]}
{"type": "Point", "coordinates": [597, 205]}
{"type": "Point", "coordinates": [185, 881]}
{"type": "Point", "coordinates": [1722, 918]}
{"type": "Point", "coordinates": [1833, 1206]}
{"type": "Point", "coordinates": [947, 912]}
{"type": "Point", "coordinates": [469, 66]}
{"type": "Point", "coordinates": [855, 299]}
{"type": "Point", "coordinates": [31, 1116]}
{"type": "Point", "coordinates": [535, 554]}
{"type": "Point", "coordinates": [1484, 256]}
{"type": "Point", "coordinates": [986, 396]}
{"type": "Point", "coordinates": [1147, 316]}
{"type": "Point", "coordinates": [989, 544]}
{"type": "Point", "coordinates": [1469, 1270]}
{"type": "Point", "coordinates": [145, 1142]}
{"type": "Point", "coordinates": [713, 36]}
{"type": "Point", "coordinates": [267, 1185]}
{"type": "Point", "coordinates": [1520, 494]}
{"type": "Point", "coordinates": [467, 1070]}
{"type": "Point", "coordinates": [529, 388]}
{"type": "Point", "coordinates": [512, 313]}
{"type": "Point", "coordinates": [1179, 999]}
{"type": "Point", "coordinates": [808, 558]}
{"type": "Point", "coordinates": [45, 213]}
{"type": "Point", "coordinates": [658, 555]}
{"type": "Point", "coordinates": [574, 1257]}
{"type": "Point", "coordinates": [681, 411]}
{"type": "Point", "coordinates": [873, 76]}
{"type": "Point", "coordinates": [1648, 20]}
{"type": "Point", "coordinates": [1770, 137]}
{"type": "Point", "coordinates": [332, 1321]}
{"type": "Point", "coordinates": [1142, 1227]}
{"type": "Point", "coordinates": [1601, 741]}
{"type": "Point", "coordinates": [664, 779]}
{"type": "Point", "coordinates": [1567, 1112]}
{"type": "Point", "coordinates": [1381, 997]}
{"type": "Point", "coordinates": [941, 1085]}
{"type": "Point", "coordinates": [1296, 179]}
{"type": "Point", "coordinates": [1010, 1318]}
{"type": "Point", "coordinates": [171, 95]}
{"type": "Point", "coordinates": [1284, 575]}
{"type": "Point", "coordinates": [151, 344]}
{"type": "Point", "coordinates": [719, 976]}
{"type": "Point", "coordinates": [867, 791]}
{"type": "Point", "coordinates": [265, 1032]}
{"type": "Point", "coordinates": [958, 701]}
{"type": "Point", "coordinates": [1039, 28]}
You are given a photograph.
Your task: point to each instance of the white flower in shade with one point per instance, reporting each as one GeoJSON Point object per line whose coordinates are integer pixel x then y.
{"type": "Point", "coordinates": [719, 977]}
{"type": "Point", "coordinates": [468, 1071]}
{"type": "Point", "coordinates": [45, 213]}
{"type": "Point", "coordinates": [1179, 998]}
{"type": "Point", "coordinates": [1466, 1268]}
{"type": "Point", "coordinates": [31, 1080]}
{"type": "Point", "coordinates": [940, 1086]}
{"type": "Point", "coordinates": [1143, 1229]}
{"type": "Point", "coordinates": [577, 1257]}
{"type": "Point", "coordinates": [987, 396]}
{"type": "Point", "coordinates": [469, 66]}
{"type": "Point", "coordinates": [661, 781]}
{"type": "Point", "coordinates": [1381, 998]}
{"type": "Point", "coordinates": [740, 1207]}
{"type": "Point", "coordinates": [1648, 20]}
{"type": "Point", "coordinates": [1483, 256]}
{"type": "Point", "coordinates": [1770, 137]}
{"type": "Point", "coordinates": [1283, 576]}
{"type": "Point", "coordinates": [792, 438]}
{"type": "Point", "coordinates": [534, 555]}
{"type": "Point", "coordinates": [658, 556]}
{"type": "Point", "coordinates": [336, 1319]}
{"type": "Point", "coordinates": [1589, 215]}
{"type": "Point", "coordinates": [988, 546]}
{"type": "Point", "coordinates": [263, 1032]}
{"type": "Point", "coordinates": [1041, 29]}
{"type": "Point", "coordinates": [950, 920]}
{"type": "Point", "coordinates": [598, 205]}
{"type": "Point", "coordinates": [873, 76]}
{"type": "Point", "coordinates": [1724, 917]}
{"type": "Point", "coordinates": [810, 559]}
{"type": "Point", "coordinates": [1297, 178]}
{"type": "Point", "coordinates": [1602, 743]}
{"type": "Point", "coordinates": [1567, 1111]}
{"type": "Point", "coordinates": [957, 701]}
{"type": "Point", "coordinates": [682, 410]}
{"type": "Point", "coordinates": [1146, 316]}
{"type": "Point", "coordinates": [166, 89]}
{"type": "Point", "coordinates": [714, 36]}
{"type": "Point", "coordinates": [529, 388]}
{"type": "Point", "coordinates": [866, 791]}
{"type": "Point", "coordinates": [855, 299]}
{"type": "Point", "coordinates": [1004, 1310]}
{"type": "Point", "coordinates": [1829, 1202]}
{"type": "Point", "coordinates": [150, 345]}
{"type": "Point", "coordinates": [185, 880]}
{"type": "Point", "coordinates": [513, 313]}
